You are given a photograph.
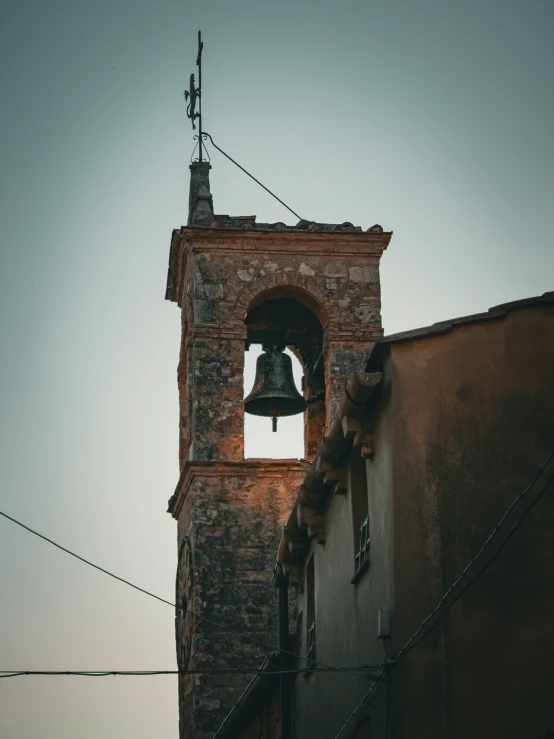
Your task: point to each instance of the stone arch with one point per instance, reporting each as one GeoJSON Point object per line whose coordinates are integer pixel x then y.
{"type": "Point", "coordinates": [306, 291]}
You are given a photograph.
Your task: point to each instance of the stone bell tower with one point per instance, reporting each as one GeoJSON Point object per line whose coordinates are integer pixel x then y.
{"type": "Point", "coordinates": [235, 279]}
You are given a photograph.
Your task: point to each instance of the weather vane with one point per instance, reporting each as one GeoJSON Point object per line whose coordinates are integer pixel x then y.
{"type": "Point", "coordinates": [194, 96]}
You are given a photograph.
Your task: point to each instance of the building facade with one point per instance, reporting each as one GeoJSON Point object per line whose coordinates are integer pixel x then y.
{"type": "Point", "coordinates": [447, 426]}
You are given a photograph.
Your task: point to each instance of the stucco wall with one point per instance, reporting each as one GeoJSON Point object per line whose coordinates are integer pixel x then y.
{"type": "Point", "coordinates": [346, 613]}
{"type": "Point", "coordinates": [474, 419]}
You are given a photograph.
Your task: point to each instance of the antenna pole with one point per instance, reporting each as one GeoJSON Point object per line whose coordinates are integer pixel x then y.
{"type": "Point", "coordinates": [199, 63]}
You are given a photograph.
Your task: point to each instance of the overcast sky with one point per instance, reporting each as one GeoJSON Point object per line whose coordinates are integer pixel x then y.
{"type": "Point", "coordinates": [433, 118]}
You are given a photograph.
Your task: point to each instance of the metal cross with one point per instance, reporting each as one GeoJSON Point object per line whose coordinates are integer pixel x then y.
{"type": "Point", "coordinates": [194, 95]}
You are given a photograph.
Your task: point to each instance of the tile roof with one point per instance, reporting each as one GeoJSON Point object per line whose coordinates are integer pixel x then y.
{"type": "Point", "coordinates": [225, 221]}
{"type": "Point", "coordinates": [442, 327]}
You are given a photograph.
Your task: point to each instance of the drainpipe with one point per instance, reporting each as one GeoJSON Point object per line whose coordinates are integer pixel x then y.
{"type": "Point", "coordinates": [281, 581]}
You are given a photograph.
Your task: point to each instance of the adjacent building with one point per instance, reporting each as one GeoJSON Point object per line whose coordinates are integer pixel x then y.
{"type": "Point", "coordinates": [447, 426]}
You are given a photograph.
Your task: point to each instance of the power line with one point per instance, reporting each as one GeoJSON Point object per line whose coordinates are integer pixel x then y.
{"type": "Point", "coordinates": [150, 673]}
{"type": "Point", "coordinates": [478, 555]}
{"type": "Point", "coordinates": [87, 562]}
{"type": "Point", "coordinates": [252, 639]}
{"type": "Point", "coordinates": [376, 682]}
{"type": "Point", "coordinates": [204, 134]}
{"type": "Point", "coordinates": [489, 563]}
{"type": "Point", "coordinates": [411, 643]}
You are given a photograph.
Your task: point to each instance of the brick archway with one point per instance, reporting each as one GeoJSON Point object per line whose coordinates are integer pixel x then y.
{"type": "Point", "coordinates": [304, 289]}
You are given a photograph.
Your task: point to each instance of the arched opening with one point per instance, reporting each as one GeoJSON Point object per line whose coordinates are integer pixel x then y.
{"type": "Point", "coordinates": [281, 319]}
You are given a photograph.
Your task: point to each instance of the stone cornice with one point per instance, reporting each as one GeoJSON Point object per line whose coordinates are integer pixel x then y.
{"type": "Point", "coordinates": [210, 233]}
{"type": "Point", "coordinates": [262, 468]}
{"type": "Point", "coordinates": [251, 241]}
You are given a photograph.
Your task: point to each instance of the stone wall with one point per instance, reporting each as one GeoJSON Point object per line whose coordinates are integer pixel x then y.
{"type": "Point", "coordinates": [219, 274]}
{"type": "Point", "coordinates": [229, 520]}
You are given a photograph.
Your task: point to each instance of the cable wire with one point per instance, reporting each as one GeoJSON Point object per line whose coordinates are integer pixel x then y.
{"type": "Point", "coordinates": [204, 134]}
{"type": "Point", "coordinates": [489, 563]}
{"type": "Point", "coordinates": [87, 562]}
{"type": "Point", "coordinates": [149, 673]}
{"type": "Point", "coordinates": [411, 643]}
{"type": "Point", "coordinates": [364, 699]}
{"type": "Point", "coordinates": [478, 555]}
{"type": "Point", "coordinates": [252, 639]}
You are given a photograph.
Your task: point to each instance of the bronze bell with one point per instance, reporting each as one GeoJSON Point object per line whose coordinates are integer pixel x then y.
{"type": "Point", "coordinates": [274, 393]}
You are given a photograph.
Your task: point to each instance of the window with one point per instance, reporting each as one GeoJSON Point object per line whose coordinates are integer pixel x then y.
{"type": "Point", "coordinates": [363, 545]}
{"type": "Point", "coordinates": [360, 512]}
{"type": "Point", "coordinates": [310, 614]}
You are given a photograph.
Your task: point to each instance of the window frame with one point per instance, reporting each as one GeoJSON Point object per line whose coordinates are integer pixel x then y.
{"type": "Point", "coordinates": [361, 524]}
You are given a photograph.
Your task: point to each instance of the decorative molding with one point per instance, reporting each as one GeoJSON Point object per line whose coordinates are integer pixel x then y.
{"type": "Point", "coordinates": [350, 427]}
{"type": "Point", "coordinates": [261, 468]}
{"type": "Point", "coordinates": [337, 480]}
{"type": "Point", "coordinates": [312, 521]}
{"type": "Point", "coordinates": [366, 442]}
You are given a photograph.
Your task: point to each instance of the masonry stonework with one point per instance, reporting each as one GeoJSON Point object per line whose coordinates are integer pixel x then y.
{"type": "Point", "coordinates": [229, 517]}
{"type": "Point", "coordinates": [230, 511]}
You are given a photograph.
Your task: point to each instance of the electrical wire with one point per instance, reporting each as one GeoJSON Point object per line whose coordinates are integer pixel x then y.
{"type": "Point", "coordinates": [204, 134]}
{"type": "Point", "coordinates": [360, 705]}
{"type": "Point", "coordinates": [412, 643]}
{"type": "Point", "coordinates": [252, 639]}
{"type": "Point", "coordinates": [87, 562]}
{"type": "Point", "coordinates": [478, 555]}
{"type": "Point", "coordinates": [376, 679]}
{"type": "Point", "coordinates": [489, 563]}
{"type": "Point", "coordinates": [149, 673]}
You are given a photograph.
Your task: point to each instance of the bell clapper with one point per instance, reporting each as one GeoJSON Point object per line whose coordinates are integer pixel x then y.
{"type": "Point", "coordinates": [274, 423]}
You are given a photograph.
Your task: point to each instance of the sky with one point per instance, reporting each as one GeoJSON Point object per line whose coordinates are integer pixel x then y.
{"type": "Point", "coordinates": [431, 118]}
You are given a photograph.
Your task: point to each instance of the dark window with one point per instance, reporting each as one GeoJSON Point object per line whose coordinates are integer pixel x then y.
{"type": "Point", "coordinates": [310, 613]}
{"type": "Point", "coordinates": [360, 510]}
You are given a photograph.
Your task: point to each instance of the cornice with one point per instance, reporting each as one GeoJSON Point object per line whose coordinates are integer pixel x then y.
{"type": "Point", "coordinates": [262, 468]}
{"type": "Point", "coordinates": [330, 244]}
{"type": "Point", "coordinates": [212, 239]}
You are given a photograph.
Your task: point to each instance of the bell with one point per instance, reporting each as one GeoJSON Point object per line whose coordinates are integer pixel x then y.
{"type": "Point", "coordinates": [274, 393]}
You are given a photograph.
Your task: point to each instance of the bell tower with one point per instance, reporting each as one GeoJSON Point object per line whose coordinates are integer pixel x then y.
{"type": "Point", "coordinates": [315, 286]}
